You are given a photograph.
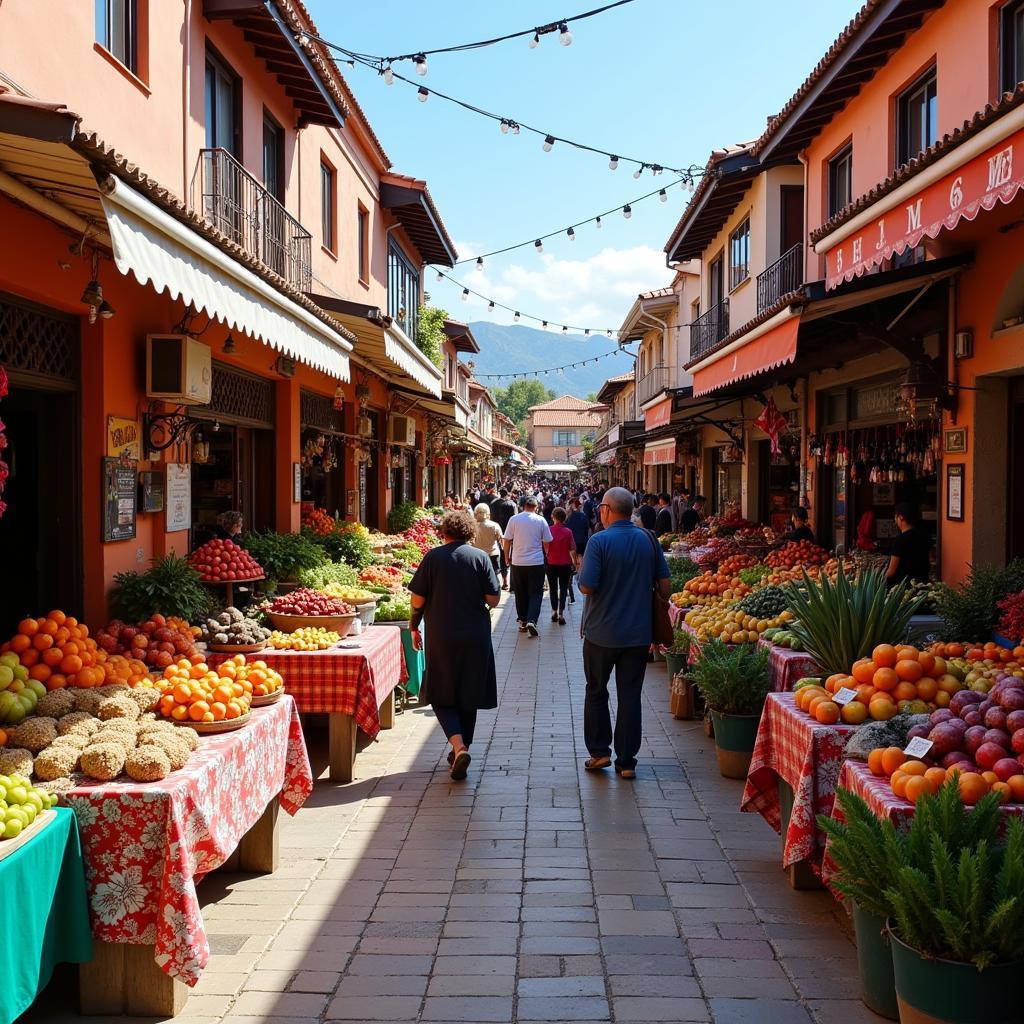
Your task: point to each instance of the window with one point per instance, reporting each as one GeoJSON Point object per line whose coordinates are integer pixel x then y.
{"type": "Point", "coordinates": [739, 254]}
{"type": "Point", "coordinates": [223, 96]}
{"type": "Point", "coordinates": [403, 291]}
{"type": "Point", "coordinates": [564, 438]}
{"type": "Point", "coordinates": [917, 118]}
{"type": "Point", "coordinates": [327, 205]}
{"type": "Point", "coordinates": [273, 157]}
{"type": "Point", "coordinates": [117, 30]}
{"type": "Point", "coordinates": [1011, 45]}
{"type": "Point", "coordinates": [363, 242]}
{"type": "Point", "coordinates": [716, 282]}
{"type": "Point", "coordinates": [840, 180]}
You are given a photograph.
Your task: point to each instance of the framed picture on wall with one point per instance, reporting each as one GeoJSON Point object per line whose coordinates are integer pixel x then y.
{"type": "Point", "coordinates": [954, 440]}
{"type": "Point", "coordinates": [955, 491]}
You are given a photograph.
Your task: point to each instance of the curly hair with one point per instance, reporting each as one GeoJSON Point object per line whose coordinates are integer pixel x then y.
{"type": "Point", "coordinates": [458, 525]}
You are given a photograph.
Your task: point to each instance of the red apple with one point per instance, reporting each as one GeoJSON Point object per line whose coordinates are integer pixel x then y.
{"type": "Point", "coordinates": [987, 755]}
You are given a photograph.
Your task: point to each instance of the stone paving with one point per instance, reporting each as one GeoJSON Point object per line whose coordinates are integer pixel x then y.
{"type": "Point", "coordinates": [534, 891]}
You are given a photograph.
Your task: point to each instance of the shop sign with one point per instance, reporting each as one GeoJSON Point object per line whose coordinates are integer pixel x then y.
{"type": "Point", "coordinates": [955, 492]}
{"type": "Point", "coordinates": [118, 487]}
{"type": "Point", "coordinates": [993, 176]}
{"type": "Point", "coordinates": [879, 400]}
{"type": "Point", "coordinates": [613, 433]}
{"type": "Point", "coordinates": [178, 496]}
{"type": "Point", "coordinates": [658, 415]}
{"type": "Point", "coordinates": [123, 439]}
{"type": "Point", "coordinates": [296, 481]}
{"type": "Point", "coordinates": [661, 454]}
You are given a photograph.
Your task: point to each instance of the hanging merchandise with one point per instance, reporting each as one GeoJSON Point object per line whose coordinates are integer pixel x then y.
{"type": "Point", "coordinates": [772, 422]}
{"type": "Point", "coordinates": [815, 449]}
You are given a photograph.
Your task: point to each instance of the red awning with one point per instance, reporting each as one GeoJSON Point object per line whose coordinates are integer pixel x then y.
{"type": "Point", "coordinates": [773, 348]}
{"type": "Point", "coordinates": [660, 453]}
{"type": "Point", "coordinates": [606, 458]}
{"type": "Point", "coordinates": [658, 415]}
{"type": "Point", "coordinates": [993, 176]}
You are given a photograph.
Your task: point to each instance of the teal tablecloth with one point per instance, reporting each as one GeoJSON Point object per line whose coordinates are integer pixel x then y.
{"type": "Point", "coordinates": [44, 913]}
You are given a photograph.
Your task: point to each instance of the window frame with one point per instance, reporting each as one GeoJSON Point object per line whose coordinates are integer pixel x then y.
{"type": "Point", "coordinates": [928, 78]}
{"type": "Point", "coordinates": [102, 21]}
{"type": "Point", "coordinates": [716, 267]}
{"type": "Point", "coordinates": [1011, 57]}
{"type": "Point", "coordinates": [362, 243]}
{"type": "Point", "coordinates": [213, 61]}
{"type": "Point", "coordinates": [271, 128]}
{"type": "Point", "coordinates": [402, 272]}
{"type": "Point", "coordinates": [741, 231]}
{"type": "Point", "coordinates": [564, 438]}
{"type": "Point", "coordinates": [843, 156]}
{"type": "Point", "coordinates": [328, 206]}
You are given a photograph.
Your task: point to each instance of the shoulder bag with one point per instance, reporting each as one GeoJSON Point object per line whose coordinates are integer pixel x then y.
{"type": "Point", "coordinates": [662, 633]}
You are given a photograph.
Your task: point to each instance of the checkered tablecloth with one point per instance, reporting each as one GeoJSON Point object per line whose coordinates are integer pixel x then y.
{"type": "Point", "coordinates": [675, 615]}
{"type": "Point", "coordinates": [343, 680]}
{"type": "Point", "coordinates": [808, 756]}
{"type": "Point", "coordinates": [786, 667]}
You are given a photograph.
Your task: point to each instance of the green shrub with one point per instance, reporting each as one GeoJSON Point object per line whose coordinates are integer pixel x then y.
{"type": "Point", "coordinates": [970, 611]}
{"type": "Point", "coordinates": [284, 555]}
{"type": "Point", "coordinates": [681, 570]}
{"type": "Point", "coordinates": [351, 546]}
{"type": "Point", "coordinates": [733, 680]}
{"type": "Point", "coordinates": [321, 575]}
{"type": "Point", "coordinates": [170, 587]}
{"type": "Point", "coordinates": [403, 515]}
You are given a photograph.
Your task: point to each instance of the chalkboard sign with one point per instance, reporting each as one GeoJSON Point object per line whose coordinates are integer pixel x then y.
{"type": "Point", "coordinates": [151, 492]}
{"type": "Point", "coordinates": [119, 493]}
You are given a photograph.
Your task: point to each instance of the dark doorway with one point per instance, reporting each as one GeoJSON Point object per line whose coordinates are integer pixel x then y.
{"type": "Point", "coordinates": [792, 217]}
{"type": "Point", "coordinates": [1015, 513]}
{"type": "Point", "coordinates": [369, 480]}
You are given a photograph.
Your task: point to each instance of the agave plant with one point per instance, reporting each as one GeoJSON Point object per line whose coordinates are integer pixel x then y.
{"type": "Point", "coordinates": [839, 623]}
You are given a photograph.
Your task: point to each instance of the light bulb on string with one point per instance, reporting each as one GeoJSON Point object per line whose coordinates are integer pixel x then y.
{"type": "Point", "coordinates": [609, 333]}
{"type": "Point", "coordinates": [440, 276]}
{"type": "Point", "coordinates": [549, 142]}
{"type": "Point", "coordinates": [544, 324]}
{"type": "Point", "coordinates": [480, 263]}
{"type": "Point", "coordinates": [597, 223]}
{"type": "Point", "coordinates": [627, 211]}
{"type": "Point", "coordinates": [538, 246]}
{"type": "Point", "coordinates": [515, 128]}
{"type": "Point", "coordinates": [613, 163]}
{"type": "Point", "coordinates": [571, 234]}
{"type": "Point", "coordinates": [564, 35]}
{"type": "Point", "coordinates": [535, 41]}
{"type": "Point", "coordinates": [663, 196]}
{"type": "Point", "coordinates": [586, 333]}
{"type": "Point", "coordinates": [638, 171]}
{"type": "Point", "coordinates": [465, 294]}
{"type": "Point", "coordinates": [490, 306]}
{"type": "Point", "coordinates": [504, 127]}
{"type": "Point", "coordinates": [516, 317]}
{"type": "Point", "coordinates": [421, 64]}
{"type": "Point", "coordinates": [389, 76]}
{"type": "Point", "coordinates": [565, 330]}
{"type": "Point", "coordinates": [656, 169]}
{"type": "Point", "coordinates": [422, 93]}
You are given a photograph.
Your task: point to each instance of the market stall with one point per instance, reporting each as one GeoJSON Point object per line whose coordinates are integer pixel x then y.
{"type": "Point", "coordinates": [787, 667]}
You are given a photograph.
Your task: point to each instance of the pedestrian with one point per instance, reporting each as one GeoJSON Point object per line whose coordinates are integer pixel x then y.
{"type": "Point", "coordinates": [646, 512]}
{"type": "Point", "coordinates": [800, 530]}
{"type": "Point", "coordinates": [908, 557]}
{"type": "Point", "coordinates": [621, 567]}
{"type": "Point", "coordinates": [488, 536]}
{"type": "Point", "coordinates": [452, 590]}
{"type": "Point", "coordinates": [577, 522]}
{"type": "Point", "coordinates": [663, 519]}
{"type": "Point", "coordinates": [549, 507]}
{"type": "Point", "coordinates": [502, 510]}
{"type": "Point", "coordinates": [693, 515]}
{"type": "Point", "coordinates": [527, 537]}
{"type": "Point", "coordinates": [561, 559]}
{"type": "Point", "coordinates": [680, 503]}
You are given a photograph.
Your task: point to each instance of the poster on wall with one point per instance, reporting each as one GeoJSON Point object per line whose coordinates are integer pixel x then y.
{"type": "Point", "coordinates": [178, 496]}
{"type": "Point", "coordinates": [151, 492]}
{"type": "Point", "coordinates": [118, 486]}
{"type": "Point", "coordinates": [123, 439]}
{"type": "Point", "coordinates": [955, 491]}
{"type": "Point", "coordinates": [296, 481]}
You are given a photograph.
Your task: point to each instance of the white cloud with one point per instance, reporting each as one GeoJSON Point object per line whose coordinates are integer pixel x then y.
{"type": "Point", "coordinates": [595, 292]}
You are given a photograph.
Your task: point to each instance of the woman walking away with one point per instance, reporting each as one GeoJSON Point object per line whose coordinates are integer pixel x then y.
{"type": "Point", "coordinates": [488, 535]}
{"type": "Point", "coordinates": [561, 563]}
{"type": "Point", "coordinates": [452, 589]}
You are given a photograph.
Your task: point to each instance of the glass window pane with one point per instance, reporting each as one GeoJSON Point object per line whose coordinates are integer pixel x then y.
{"type": "Point", "coordinates": [102, 17]}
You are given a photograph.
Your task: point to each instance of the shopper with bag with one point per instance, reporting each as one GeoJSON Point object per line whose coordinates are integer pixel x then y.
{"type": "Point", "coordinates": [626, 581]}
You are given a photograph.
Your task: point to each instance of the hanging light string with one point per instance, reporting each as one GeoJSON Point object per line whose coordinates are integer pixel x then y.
{"type": "Point", "coordinates": [561, 26]}
{"type": "Point", "coordinates": [553, 369]}
{"type": "Point", "coordinates": [570, 230]}
{"type": "Point", "coordinates": [517, 315]}
{"type": "Point", "coordinates": [511, 125]}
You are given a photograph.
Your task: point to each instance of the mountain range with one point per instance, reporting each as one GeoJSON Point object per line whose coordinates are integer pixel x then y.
{"type": "Point", "coordinates": [516, 349]}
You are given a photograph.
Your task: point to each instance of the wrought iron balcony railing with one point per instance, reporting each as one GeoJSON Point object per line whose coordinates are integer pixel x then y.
{"type": "Point", "coordinates": [652, 382]}
{"type": "Point", "coordinates": [236, 204]}
{"type": "Point", "coordinates": [708, 330]}
{"type": "Point", "coordinates": [785, 275]}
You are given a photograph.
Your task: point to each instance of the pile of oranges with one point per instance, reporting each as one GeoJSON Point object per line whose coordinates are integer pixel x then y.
{"type": "Point", "coordinates": [732, 565]}
{"type": "Point", "coordinates": [322, 523]}
{"type": "Point", "coordinates": [58, 651]}
{"type": "Point", "coordinates": [716, 584]}
{"type": "Point", "coordinates": [910, 779]}
{"type": "Point", "coordinates": [979, 652]}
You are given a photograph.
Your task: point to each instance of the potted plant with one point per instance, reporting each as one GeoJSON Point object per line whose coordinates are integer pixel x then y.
{"type": "Point", "coordinates": [284, 555]}
{"type": "Point", "coordinates": [734, 682]}
{"type": "Point", "coordinates": [677, 655]}
{"type": "Point", "coordinates": [171, 586]}
{"type": "Point", "coordinates": [955, 899]}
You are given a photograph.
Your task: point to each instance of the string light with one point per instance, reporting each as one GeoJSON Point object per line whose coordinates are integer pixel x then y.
{"type": "Point", "coordinates": [535, 41]}
{"type": "Point", "coordinates": [490, 306]}
{"type": "Point", "coordinates": [597, 223]}
{"type": "Point", "coordinates": [564, 35]}
{"type": "Point", "coordinates": [556, 369]}
{"type": "Point", "coordinates": [549, 142]}
{"type": "Point", "coordinates": [516, 317]}
{"type": "Point", "coordinates": [571, 234]}
{"type": "Point", "coordinates": [539, 246]}
{"type": "Point", "coordinates": [663, 196]}
{"type": "Point", "coordinates": [479, 263]}
{"type": "Point", "coordinates": [389, 75]}
{"type": "Point", "coordinates": [465, 294]}
{"type": "Point", "coordinates": [421, 64]}
{"type": "Point", "coordinates": [422, 93]}
{"type": "Point", "coordinates": [639, 171]}
{"type": "Point", "coordinates": [627, 211]}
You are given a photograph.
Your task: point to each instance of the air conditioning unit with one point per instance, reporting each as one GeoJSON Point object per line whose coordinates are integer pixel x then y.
{"type": "Point", "coordinates": [963, 346]}
{"type": "Point", "coordinates": [364, 426]}
{"type": "Point", "coordinates": [402, 430]}
{"type": "Point", "coordinates": [178, 369]}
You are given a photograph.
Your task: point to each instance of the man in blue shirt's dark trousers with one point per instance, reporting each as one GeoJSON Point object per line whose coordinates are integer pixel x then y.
{"type": "Point", "coordinates": [621, 566]}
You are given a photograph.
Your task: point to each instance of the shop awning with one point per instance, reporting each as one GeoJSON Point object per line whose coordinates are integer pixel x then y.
{"type": "Point", "coordinates": [658, 415]}
{"type": "Point", "coordinates": [402, 351]}
{"type": "Point", "coordinates": [764, 348]}
{"type": "Point", "coordinates": [606, 458]}
{"type": "Point", "coordinates": [660, 453]}
{"type": "Point", "coordinates": [156, 248]}
{"type": "Point", "coordinates": [950, 187]}
{"type": "Point", "coordinates": [556, 467]}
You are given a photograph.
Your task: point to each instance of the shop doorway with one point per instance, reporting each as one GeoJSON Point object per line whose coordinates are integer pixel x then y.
{"type": "Point", "coordinates": [778, 488]}
{"type": "Point", "coordinates": [369, 479]}
{"type": "Point", "coordinates": [727, 481]}
{"type": "Point", "coordinates": [1015, 513]}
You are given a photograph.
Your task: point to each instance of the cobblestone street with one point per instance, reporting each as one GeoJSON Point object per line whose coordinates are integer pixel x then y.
{"type": "Point", "coordinates": [532, 892]}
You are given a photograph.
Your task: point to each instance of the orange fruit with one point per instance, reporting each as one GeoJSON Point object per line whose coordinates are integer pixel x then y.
{"type": "Point", "coordinates": [179, 712]}
{"type": "Point", "coordinates": [1016, 784]}
{"type": "Point", "coordinates": [833, 683]}
{"type": "Point", "coordinates": [916, 785]}
{"type": "Point", "coordinates": [904, 691]}
{"type": "Point", "coordinates": [42, 641]}
{"type": "Point", "coordinates": [909, 671]}
{"type": "Point", "coordinates": [52, 656]}
{"type": "Point", "coordinates": [29, 657]}
{"type": "Point", "coordinates": [885, 679]}
{"type": "Point", "coordinates": [57, 616]}
{"type": "Point", "coordinates": [865, 692]}
{"type": "Point", "coordinates": [927, 688]}
{"type": "Point", "coordinates": [864, 670]}
{"type": "Point", "coordinates": [28, 627]}
{"type": "Point", "coordinates": [935, 778]}
{"type": "Point", "coordinates": [1004, 791]}
{"type": "Point", "coordinates": [827, 712]}
{"type": "Point", "coordinates": [905, 652]}
{"type": "Point", "coordinates": [892, 758]}
{"type": "Point", "coordinates": [939, 668]}
{"type": "Point", "coordinates": [21, 642]}
{"type": "Point", "coordinates": [47, 626]}
{"type": "Point", "coordinates": [899, 783]}
{"type": "Point", "coordinates": [57, 681]}
{"type": "Point", "coordinates": [875, 762]}
{"type": "Point", "coordinates": [882, 709]}
{"type": "Point", "coordinates": [71, 663]}
{"type": "Point", "coordinates": [884, 656]}
{"type": "Point", "coordinates": [854, 713]}
{"type": "Point", "coordinates": [914, 768]}
{"type": "Point", "coordinates": [942, 699]}
{"type": "Point", "coordinates": [972, 787]}
{"type": "Point", "coordinates": [927, 662]}
{"type": "Point", "coordinates": [40, 671]}
{"type": "Point", "coordinates": [990, 777]}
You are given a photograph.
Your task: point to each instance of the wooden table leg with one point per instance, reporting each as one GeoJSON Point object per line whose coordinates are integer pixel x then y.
{"type": "Point", "coordinates": [387, 712]}
{"type": "Point", "coordinates": [124, 979]}
{"type": "Point", "coordinates": [341, 742]}
{"type": "Point", "coordinates": [259, 850]}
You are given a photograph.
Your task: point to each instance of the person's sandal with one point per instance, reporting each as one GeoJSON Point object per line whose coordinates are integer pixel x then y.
{"type": "Point", "coordinates": [594, 764]}
{"type": "Point", "coordinates": [561, 620]}
{"type": "Point", "coordinates": [626, 773]}
{"type": "Point", "coordinates": [460, 765]}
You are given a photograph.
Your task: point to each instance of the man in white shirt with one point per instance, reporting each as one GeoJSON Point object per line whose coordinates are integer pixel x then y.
{"type": "Point", "coordinates": [526, 543]}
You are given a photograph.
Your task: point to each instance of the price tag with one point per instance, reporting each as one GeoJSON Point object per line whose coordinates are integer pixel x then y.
{"type": "Point", "coordinates": [918, 747]}
{"type": "Point", "coordinates": [843, 696]}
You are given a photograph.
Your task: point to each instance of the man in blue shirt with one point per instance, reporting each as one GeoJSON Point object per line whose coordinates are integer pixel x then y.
{"type": "Point", "coordinates": [622, 565]}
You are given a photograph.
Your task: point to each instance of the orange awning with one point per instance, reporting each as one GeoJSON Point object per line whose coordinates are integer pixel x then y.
{"type": "Point", "coordinates": [660, 453]}
{"type": "Point", "coordinates": [773, 348]}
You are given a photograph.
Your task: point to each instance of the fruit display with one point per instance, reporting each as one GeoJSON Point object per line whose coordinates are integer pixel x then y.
{"type": "Point", "coordinates": [198, 693]}
{"type": "Point", "coordinates": [20, 803]}
{"type": "Point", "coordinates": [388, 577]}
{"type": "Point", "coordinates": [394, 609]}
{"type": "Point", "coordinates": [156, 642]}
{"type": "Point", "coordinates": [305, 601]}
{"type": "Point", "coordinates": [310, 638]}
{"type": "Point", "coordinates": [796, 552]}
{"type": "Point", "coordinates": [715, 551]}
{"type": "Point", "coordinates": [732, 565]}
{"type": "Point", "coordinates": [765, 603]}
{"type": "Point", "coordinates": [232, 628]}
{"type": "Point", "coordinates": [58, 651]}
{"type": "Point", "coordinates": [754, 574]}
{"type": "Point", "coordinates": [731, 625]}
{"type": "Point", "coordinates": [781, 637]}
{"type": "Point", "coordinates": [714, 584]}
{"type": "Point", "coordinates": [322, 523]}
{"type": "Point", "coordinates": [220, 561]}
{"type": "Point", "coordinates": [1011, 623]}
{"type": "Point", "coordinates": [19, 694]}
{"type": "Point", "coordinates": [912, 778]}
{"type": "Point", "coordinates": [423, 534]}
{"type": "Point", "coordinates": [349, 595]}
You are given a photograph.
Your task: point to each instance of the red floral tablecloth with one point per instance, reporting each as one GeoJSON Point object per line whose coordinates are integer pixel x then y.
{"type": "Point", "coordinates": [343, 680]}
{"type": "Point", "coordinates": [792, 746]}
{"type": "Point", "coordinates": [786, 667]}
{"type": "Point", "coordinates": [147, 845]}
{"type": "Point", "coordinates": [675, 615]}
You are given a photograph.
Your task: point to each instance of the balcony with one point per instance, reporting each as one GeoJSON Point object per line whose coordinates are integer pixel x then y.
{"type": "Point", "coordinates": [652, 383]}
{"type": "Point", "coordinates": [784, 276]}
{"type": "Point", "coordinates": [708, 330]}
{"type": "Point", "coordinates": [236, 204]}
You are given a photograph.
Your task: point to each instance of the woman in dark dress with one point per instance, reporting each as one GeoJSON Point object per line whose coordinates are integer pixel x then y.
{"type": "Point", "coordinates": [452, 589]}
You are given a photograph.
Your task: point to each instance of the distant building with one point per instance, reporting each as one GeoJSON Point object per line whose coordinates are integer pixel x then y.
{"type": "Point", "coordinates": [555, 430]}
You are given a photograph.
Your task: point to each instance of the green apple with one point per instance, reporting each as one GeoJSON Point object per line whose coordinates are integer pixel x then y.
{"type": "Point", "coordinates": [16, 814]}
{"type": "Point", "coordinates": [12, 829]}
{"type": "Point", "coordinates": [20, 672]}
{"type": "Point", "coordinates": [10, 659]}
{"type": "Point", "coordinates": [6, 676]}
{"type": "Point", "coordinates": [36, 687]}
{"type": "Point", "coordinates": [17, 712]}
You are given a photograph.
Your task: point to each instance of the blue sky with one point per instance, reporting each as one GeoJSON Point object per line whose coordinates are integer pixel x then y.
{"type": "Point", "coordinates": [665, 81]}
